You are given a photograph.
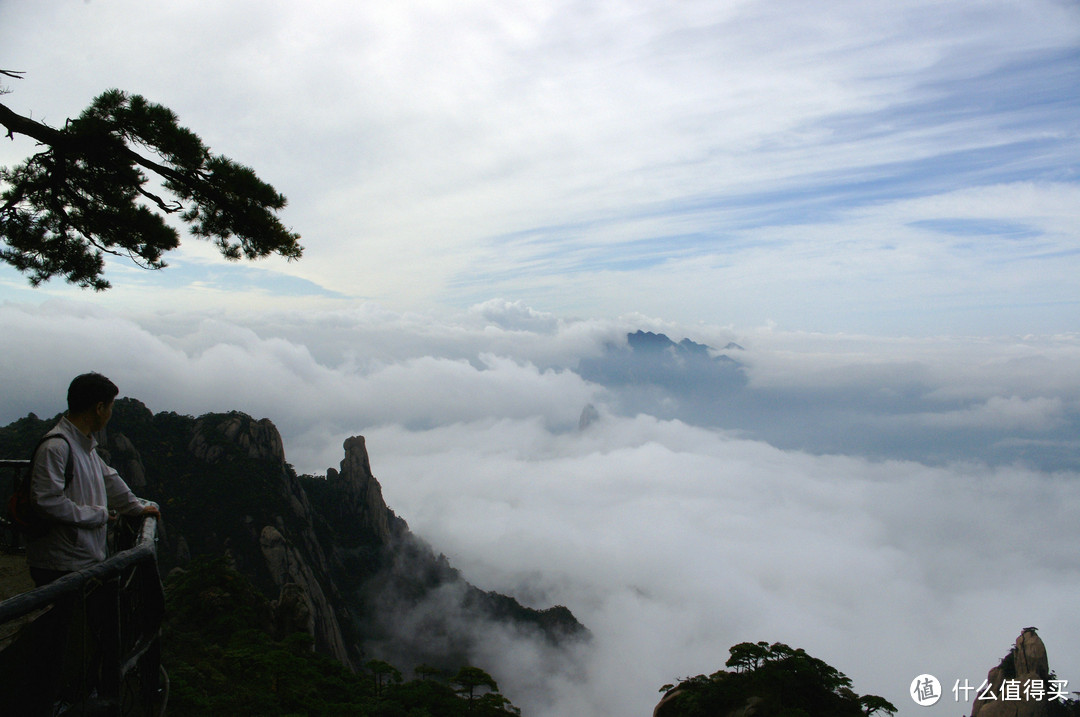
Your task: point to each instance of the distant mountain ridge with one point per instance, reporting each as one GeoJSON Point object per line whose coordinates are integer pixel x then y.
{"type": "Point", "coordinates": [647, 341]}
{"type": "Point", "coordinates": [333, 558]}
{"type": "Point", "coordinates": [650, 370]}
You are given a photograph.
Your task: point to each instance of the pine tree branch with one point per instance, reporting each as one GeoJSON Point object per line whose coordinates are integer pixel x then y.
{"type": "Point", "coordinates": [87, 174]}
{"type": "Point", "coordinates": [17, 124]}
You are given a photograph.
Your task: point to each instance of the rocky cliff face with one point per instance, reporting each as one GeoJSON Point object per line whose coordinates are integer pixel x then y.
{"type": "Point", "coordinates": [301, 605]}
{"type": "Point", "coordinates": [334, 560]}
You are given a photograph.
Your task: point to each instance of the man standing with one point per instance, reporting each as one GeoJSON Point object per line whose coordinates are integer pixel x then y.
{"type": "Point", "coordinates": [77, 507]}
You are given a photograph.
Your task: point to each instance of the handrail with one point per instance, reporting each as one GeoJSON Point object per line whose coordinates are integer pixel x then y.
{"type": "Point", "coordinates": [103, 623]}
{"type": "Point", "coordinates": [26, 603]}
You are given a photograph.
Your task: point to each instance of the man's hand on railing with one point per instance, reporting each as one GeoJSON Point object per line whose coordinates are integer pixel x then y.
{"type": "Point", "coordinates": [149, 509]}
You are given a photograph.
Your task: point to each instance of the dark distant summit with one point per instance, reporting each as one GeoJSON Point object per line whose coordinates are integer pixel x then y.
{"type": "Point", "coordinates": [687, 369]}
{"type": "Point", "coordinates": [646, 341]}
{"type": "Point", "coordinates": [684, 380]}
{"type": "Point", "coordinates": [589, 416]}
{"type": "Point", "coordinates": [770, 680]}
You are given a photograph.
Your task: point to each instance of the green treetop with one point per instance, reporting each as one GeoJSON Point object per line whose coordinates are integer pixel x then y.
{"type": "Point", "coordinates": [775, 680]}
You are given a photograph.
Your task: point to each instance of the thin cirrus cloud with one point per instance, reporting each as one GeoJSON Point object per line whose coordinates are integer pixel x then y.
{"type": "Point", "coordinates": [553, 153]}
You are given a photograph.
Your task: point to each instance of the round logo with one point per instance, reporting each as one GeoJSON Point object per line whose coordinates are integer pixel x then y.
{"type": "Point", "coordinates": [925, 690]}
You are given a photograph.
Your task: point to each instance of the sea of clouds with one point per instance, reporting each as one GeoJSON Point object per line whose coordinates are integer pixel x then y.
{"type": "Point", "coordinates": [894, 506]}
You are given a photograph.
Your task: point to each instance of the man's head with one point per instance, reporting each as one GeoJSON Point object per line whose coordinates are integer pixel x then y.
{"type": "Point", "coordinates": [91, 396]}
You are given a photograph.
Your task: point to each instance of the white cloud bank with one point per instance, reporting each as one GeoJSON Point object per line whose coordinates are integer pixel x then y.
{"type": "Point", "coordinates": [670, 541]}
{"type": "Point", "coordinates": [673, 543]}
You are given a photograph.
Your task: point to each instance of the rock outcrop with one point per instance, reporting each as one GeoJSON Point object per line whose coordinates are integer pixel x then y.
{"type": "Point", "coordinates": [589, 415]}
{"type": "Point", "coordinates": [359, 507]}
{"type": "Point", "coordinates": [130, 465]}
{"type": "Point", "coordinates": [767, 680]}
{"type": "Point", "coordinates": [1025, 663]}
{"type": "Point", "coordinates": [216, 435]}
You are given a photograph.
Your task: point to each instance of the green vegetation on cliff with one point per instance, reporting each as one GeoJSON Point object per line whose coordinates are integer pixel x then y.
{"type": "Point", "coordinates": [777, 681]}
{"type": "Point", "coordinates": [222, 659]}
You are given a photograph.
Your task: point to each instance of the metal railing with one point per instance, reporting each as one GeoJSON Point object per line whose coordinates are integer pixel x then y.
{"type": "Point", "coordinates": [91, 644]}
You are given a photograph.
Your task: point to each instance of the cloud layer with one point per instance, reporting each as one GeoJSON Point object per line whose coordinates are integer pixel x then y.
{"type": "Point", "coordinates": [673, 525]}
{"type": "Point", "coordinates": [673, 543]}
{"type": "Point", "coordinates": [1004, 400]}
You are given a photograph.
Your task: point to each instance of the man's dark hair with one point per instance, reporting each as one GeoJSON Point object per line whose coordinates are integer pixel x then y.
{"type": "Point", "coordinates": [89, 390]}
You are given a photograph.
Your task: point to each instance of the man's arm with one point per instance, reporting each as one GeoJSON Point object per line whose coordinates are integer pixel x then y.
{"type": "Point", "coordinates": [120, 497]}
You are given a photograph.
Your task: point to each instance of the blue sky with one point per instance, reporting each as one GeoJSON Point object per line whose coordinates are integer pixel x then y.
{"type": "Point", "coordinates": [878, 202]}
{"type": "Point", "coordinates": [908, 170]}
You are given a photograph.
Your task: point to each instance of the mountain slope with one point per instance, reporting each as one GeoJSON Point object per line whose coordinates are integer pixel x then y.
{"type": "Point", "coordinates": [330, 555]}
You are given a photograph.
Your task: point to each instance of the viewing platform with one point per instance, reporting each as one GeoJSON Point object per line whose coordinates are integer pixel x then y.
{"type": "Point", "coordinates": [89, 642]}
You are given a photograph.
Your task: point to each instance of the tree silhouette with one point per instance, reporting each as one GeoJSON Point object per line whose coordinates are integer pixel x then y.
{"type": "Point", "coordinates": [382, 674]}
{"type": "Point", "coordinates": [85, 194]}
{"type": "Point", "coordinates": [747, 656]}
{"type": "Point", "coordinates": [469, 678]}
{"type": "Point", "coordinates": [872, 704]}
{"type": "Point", "coordinates": [492, 703]}
{"type": "Point", "coordinates": [426, 672]}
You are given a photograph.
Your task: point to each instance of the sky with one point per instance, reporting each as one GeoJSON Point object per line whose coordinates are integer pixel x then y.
{"type": "Point", "coordinates": [867, 213]}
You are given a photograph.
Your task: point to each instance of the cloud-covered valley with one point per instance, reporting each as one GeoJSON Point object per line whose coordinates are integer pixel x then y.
{"type": "Point", "coordinates": [894, 506]}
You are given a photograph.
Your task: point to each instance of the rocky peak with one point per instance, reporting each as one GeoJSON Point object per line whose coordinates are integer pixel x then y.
{"type": "Point", "coordinates": [356, 464]}
{"type": "Point", "coordinates": [589, 416]}
{"type": "Point", "coordinates": [360, 513]}
{"type": "Point", "coordinates": [215, 433]}
{"type": "Point", "coordinates": [1026, 661]}
{"type": "Point", "coordinates": [117, 450]}
{"type": "Point", "coordinates": [128, 462]}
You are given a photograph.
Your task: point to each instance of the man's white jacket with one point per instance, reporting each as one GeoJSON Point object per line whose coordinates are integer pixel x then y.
{"type": "Point", "coordinates": [79, 511]}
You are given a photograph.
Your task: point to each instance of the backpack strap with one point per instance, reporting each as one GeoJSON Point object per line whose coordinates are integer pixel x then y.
{"type": "Point", "coordinates": [69, 466]}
